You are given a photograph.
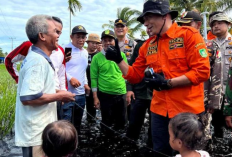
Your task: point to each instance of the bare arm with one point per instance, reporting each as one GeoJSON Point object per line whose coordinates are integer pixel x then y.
{"type": "Point", "coordinates": [96, 100]}
{"type": "Point", "coordinates": [47, 98]}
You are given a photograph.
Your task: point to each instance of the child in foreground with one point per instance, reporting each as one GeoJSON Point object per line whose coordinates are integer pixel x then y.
{"type": "Point", "coordinates": [186, 131]}
{"type": "Point", "coordinates": [59, 139]}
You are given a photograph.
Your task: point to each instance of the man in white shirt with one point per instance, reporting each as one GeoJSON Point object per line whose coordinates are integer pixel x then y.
{"type": "Point", "coordinates": [57, 58]}
{"type": "Point", "coordinates": [36, 94]}
{"type": "Point", "coordinates": [76, 76]}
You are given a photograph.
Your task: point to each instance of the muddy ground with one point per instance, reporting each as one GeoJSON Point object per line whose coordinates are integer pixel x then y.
{"type": "Point", "coordinates": [94, 144]}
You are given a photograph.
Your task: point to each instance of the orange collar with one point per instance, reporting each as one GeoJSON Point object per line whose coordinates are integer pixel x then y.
{"type": "Point", "coordinates": [171, 31]}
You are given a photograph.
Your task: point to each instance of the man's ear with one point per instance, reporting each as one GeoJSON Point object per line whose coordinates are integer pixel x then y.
{"type": "Point", "coordinates": [41, 36]}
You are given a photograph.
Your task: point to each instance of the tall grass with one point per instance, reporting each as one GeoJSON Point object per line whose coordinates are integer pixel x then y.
{"type": "Point", "coordinates": [8, 92]}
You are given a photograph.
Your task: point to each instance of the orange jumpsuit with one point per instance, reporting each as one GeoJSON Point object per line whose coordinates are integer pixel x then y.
{"type": "Point", "coordinates": [180, 51]}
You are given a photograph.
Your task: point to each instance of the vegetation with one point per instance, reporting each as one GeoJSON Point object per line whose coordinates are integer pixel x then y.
{"type": "Point", "coordinates": [73, 5]}
{"type": "Point", "coordinates": [7, 101]}
{"type": "Point", "coordinates": [1, 53]}
{"type": "Point", "coordinates": [129, 15]}
{"type": "Point", "coordinates": [201, 5]}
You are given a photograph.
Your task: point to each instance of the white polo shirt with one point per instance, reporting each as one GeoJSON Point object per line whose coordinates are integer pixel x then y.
{"type": "Point", "coordinates": [76, 68]}
{"type": "Point", "coordinates": [35, 78]}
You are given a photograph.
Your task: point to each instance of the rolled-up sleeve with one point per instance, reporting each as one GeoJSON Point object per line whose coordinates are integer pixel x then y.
{"type": "Point", "coordinates": [197, 58]}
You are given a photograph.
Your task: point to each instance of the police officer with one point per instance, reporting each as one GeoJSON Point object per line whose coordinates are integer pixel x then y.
{"type": "Point", "coordinates": [179, 65]}
{"type": "Point", "coordinates": [219, 24]}
{"type": "Point", "coordinates": [191, 18]}
{"type": "Point", "coordinates": [126, 45]}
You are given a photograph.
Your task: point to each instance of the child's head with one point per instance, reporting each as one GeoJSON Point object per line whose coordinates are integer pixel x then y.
{"type": "Point", "coordinates": [59, 139]}
{"type": "Point", "coordinates": [185, 130]}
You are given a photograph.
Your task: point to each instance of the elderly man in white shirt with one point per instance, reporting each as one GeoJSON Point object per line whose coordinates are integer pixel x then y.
{"type": "Point", "coordinates": [36, 94]}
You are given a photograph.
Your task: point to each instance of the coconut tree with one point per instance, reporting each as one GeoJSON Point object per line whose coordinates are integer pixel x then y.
{"type": "Point", "coordinates": [129, 15]}
{"type": "Point", "coordinates": [73, 5]}
{"type": "Point", "coordinates": [201, 5]}
{"type": "Point", "coordinates": [143, 34]}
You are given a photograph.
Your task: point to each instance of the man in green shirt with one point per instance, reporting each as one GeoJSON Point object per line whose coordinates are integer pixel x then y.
{"type": "Point", "coordinates": [108, 86]}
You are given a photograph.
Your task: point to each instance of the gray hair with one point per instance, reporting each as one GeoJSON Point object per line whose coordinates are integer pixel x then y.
{"type": "Point", "coordinates": [35, 25]}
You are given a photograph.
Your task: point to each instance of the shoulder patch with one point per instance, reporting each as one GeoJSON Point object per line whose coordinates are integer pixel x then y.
{"type": "Point", "coordinates": [203, 53]}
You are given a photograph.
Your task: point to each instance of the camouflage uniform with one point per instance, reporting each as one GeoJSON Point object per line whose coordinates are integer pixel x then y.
{"type": "Point", "coordinates": [227, 110]}
{"type": "Point", "coordinates": [220, 57]}
{"type": "Point", "coordinates": [213, 87]}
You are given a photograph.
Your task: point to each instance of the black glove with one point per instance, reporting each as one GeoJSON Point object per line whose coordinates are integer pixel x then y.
{"type": "Point", "coordinates": [158, 82]}
{"type": "Point", "coordinates": [113, 53]}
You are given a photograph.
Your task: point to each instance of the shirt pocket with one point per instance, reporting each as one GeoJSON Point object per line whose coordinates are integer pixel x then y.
{"type": "Point", "coordinates": [228, 57]}
{"type": "Point", "coordinates": [177, 61]}
{"type": "Point", "coordinates": [152, 59]}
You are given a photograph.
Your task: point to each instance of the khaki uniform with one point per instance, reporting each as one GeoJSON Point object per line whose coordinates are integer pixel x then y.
{"type": "Point", "coordinates": [220, 60]}
{"type": "Point", "coordinates": [127, 47]}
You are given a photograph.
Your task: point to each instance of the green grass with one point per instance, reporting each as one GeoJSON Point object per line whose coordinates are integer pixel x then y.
{"type": "Point", "coordinates": [8, 90]}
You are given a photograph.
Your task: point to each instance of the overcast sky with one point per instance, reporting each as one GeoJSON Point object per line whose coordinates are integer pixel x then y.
{"type": "Point", "coordinates": [15, 13]}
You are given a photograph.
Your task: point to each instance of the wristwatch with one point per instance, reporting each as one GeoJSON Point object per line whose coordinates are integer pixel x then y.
{"type": "Point", "coordinates": [169, 83]}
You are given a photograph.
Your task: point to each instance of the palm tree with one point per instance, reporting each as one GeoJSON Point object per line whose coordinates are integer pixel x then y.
{"type": "Point", "coordinates": [129, 15]}
{"type": "Point", "coordinates": [201, 5]}
{"type": "Point", "coordinates": [73, 5]}
{"type": "Point", "coordinates": [143, 34]}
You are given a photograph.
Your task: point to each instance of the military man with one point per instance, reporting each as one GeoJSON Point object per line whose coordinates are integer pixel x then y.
{"type": "Point", "coordinates": [219, 24]}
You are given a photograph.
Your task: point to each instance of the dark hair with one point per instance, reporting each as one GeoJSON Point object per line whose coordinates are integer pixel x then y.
{"type": "Point", "coordinates": [57, 19]}
{"type": "Point", "coordinates": [214, 13]}
{"type": "Point", "coordinates": [59, 139]}
{"type": "Point", "coordinates": [188, 128]}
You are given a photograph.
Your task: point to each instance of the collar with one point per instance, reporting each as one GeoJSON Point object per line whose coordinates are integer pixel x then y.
{"type": "Point", "coordinates": [39, 51]}
{"type": "Point", "coordinates": [228, 37]}
{"type": "Point", "coordinates": [126, 41]}
{"type": "Point", "coordinates": [171, 31]}
{"type": "Point", "coordinates": [103, 52]}
{"type": "Point", "coordinates": [75, 46]}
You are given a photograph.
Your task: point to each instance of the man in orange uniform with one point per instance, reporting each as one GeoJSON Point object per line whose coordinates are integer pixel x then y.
{"type": "Point", "coordinates": [180, 62]}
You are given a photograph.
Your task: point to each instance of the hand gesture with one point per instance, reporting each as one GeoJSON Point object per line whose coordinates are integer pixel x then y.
{"type": "Point", "coordinates": [74, 82]}
{"type": "Point", "coordinates": [129, 95]}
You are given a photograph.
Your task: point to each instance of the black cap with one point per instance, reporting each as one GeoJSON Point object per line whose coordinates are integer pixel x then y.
{"type": "Point", "coordinates": [189, 16]}
{"type": "Point", "coordinates": [108, 33]}
{"type": "Point", "coordinates": [120, 21]}
{"type": "Point", "coordinates": [160, 7]}
{"type": "Point", "coordinates": [79, 29]}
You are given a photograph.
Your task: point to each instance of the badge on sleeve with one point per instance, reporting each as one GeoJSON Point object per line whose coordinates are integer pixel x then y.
{"type": "Point", "coordinates": [203, 53]}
